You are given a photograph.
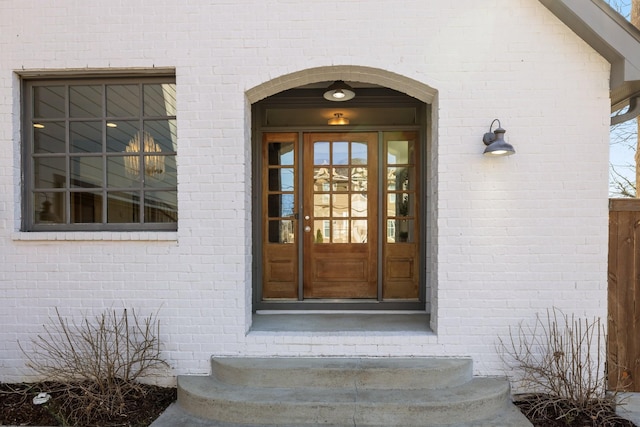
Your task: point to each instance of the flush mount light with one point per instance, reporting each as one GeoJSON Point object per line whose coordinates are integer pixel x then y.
{"type": "Point", "coordinates": [338, 120]}
{"type": "Point", "coordinates": [496, 145]}
{"type": "Point", "coordinates": [339, 91]}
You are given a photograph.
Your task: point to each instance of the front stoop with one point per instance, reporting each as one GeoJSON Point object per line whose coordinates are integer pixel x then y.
{"type": "Point", "coordinates": [347, 392]}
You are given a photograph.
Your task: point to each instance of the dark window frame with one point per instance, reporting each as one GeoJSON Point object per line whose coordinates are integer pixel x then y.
{"type": "Point", "coordinates": [143, 198]}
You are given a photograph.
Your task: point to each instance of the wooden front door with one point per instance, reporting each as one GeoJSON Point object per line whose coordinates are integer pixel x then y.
{"type": "Point", "coordinates": [340, 216]}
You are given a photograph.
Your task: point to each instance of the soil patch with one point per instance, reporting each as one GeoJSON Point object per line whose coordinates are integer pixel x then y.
{"type": "Point", "coordinates": [543, 411]}
{"type": "Point", "coordinates": [17, 407]}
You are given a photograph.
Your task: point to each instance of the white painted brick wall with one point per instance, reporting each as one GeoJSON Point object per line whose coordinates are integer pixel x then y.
{"type": "Point", "coordinates": [514, 235]}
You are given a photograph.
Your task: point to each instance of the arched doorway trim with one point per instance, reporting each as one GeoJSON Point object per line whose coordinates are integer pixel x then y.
{"type": "Point", "coordinates": [384, 78]}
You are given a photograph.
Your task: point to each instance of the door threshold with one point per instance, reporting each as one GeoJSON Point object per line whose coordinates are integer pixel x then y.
{"type": "Point", "coordinates": [341, 321]}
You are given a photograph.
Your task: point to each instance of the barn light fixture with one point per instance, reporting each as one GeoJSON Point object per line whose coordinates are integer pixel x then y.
{"type": "Point", "coordinates": [338, 119]}
{"type": "Point", "coordinates": [339, 91]}
{"type": "Point", "coordinates": [496, 145]}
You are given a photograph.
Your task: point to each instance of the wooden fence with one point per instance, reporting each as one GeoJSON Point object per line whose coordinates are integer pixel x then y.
{"type": "Point", "coordinates": [624, 294]}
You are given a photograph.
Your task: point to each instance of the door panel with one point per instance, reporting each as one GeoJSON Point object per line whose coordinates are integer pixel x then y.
{"type": "Point", "coordinates": [400, 266]}
{"type": "Point", "coordinates": [340, 204]}
{"type": "Point", "coordinates": [279, 199]}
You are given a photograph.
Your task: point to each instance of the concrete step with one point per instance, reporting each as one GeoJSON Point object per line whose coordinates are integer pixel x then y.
{"type": "Point", "coordinates": [346, 392]}
{"type": "Point", "coordinates": [363, 373]}
{"type": "Point", "coordinates": [175, 416]}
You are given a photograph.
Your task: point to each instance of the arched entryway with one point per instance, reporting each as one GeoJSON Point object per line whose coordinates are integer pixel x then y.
{"type": "Point", "coordinates": [341, 213]}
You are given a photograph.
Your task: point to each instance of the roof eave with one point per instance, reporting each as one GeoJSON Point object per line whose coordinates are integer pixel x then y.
{"type": "Point", "coordinates": [612, 36]}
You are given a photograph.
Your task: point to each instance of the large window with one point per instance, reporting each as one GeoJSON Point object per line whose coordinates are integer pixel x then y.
{"type": "Point", "coordinates": [100, 154]}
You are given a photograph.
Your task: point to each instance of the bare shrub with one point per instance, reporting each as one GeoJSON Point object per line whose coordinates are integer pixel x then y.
{"type": "Point", "coordinates": [97, 364]}
{"type": "Point", "coordinates": [559, 361]}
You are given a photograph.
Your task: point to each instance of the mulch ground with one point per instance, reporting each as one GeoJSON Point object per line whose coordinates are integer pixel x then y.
{"type": "Point", "coordinates": [555, 414]}
{"type": "Point", "coordinates": [17, 407]}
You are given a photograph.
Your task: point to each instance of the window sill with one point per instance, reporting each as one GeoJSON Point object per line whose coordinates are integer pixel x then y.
{"type": "Point", "coordinates": [107, 236]}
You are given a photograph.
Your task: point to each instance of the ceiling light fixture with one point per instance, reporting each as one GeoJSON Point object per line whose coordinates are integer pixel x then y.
{"type": "Point", "coordinates": [38, 125]}
{"type": "Point", "coordinates": [339, 91]}
{"type": "Point", "coordinates": [496, 145]}
{"type": "Point", "coordinates": [338, 120]}
{"type": "Point", "coordinates": [153, 164]}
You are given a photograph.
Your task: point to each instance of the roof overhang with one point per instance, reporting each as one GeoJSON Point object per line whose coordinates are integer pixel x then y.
{"type": "Point", "coordinates": [611, 35]}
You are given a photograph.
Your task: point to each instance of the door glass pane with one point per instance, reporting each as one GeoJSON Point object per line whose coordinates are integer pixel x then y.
{"type": "Point", "coordinates": [321, 205]}
{"type": "Point", "coordinates": [399, 152]}
{"type": "Point", "coordinates": [400, 178]}
{"type": "Point", "coordinates": [340, 153]}
{"type": "Point", "coordinates": [340, 205]}
{"type": "Point", "coordinates": [280, 205]}
{"type": "Point", "coordinates": [281, 179]}
{"type": "Point", "coordinates": [359, 153]}
{"type": "Point", "coordinates": [400, 204]}
{"type": "Point", "coordinates": [340, 231]}
{"type": "Point", "coordinates": [400, 231]}
{"type": "Point", "coordinates": [322, 231]}
{"type": "Point", "coordinates": [280, 154]}
{"type": "Point", "coordinates": [274, 205]}
{"type": "Point", "coordinates": [321, 179]}
{"type": "Point", "coordinates": [359, 177]}
{"type": "Point", "coordinates": [359, 205]}
{"type": "Point", "coordinates": [340, 179]}
{"type": "Point", "coordinates": [281, 231]}
{"type": "Point", "coordinates": [320, 153]}
{"type": "Point", "coordinates": [359, 229]}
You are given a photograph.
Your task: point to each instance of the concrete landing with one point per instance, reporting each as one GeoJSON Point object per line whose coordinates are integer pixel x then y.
{"type": "Point", "coordinates": [341, 322]}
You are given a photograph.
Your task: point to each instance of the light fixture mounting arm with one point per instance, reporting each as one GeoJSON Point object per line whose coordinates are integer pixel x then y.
{"type": "Point", "coordinates": [490, 136]}
{"type": "Point", "coordinates": [494, 140]}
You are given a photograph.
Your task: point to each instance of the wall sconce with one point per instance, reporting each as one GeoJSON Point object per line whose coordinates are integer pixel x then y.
{"type": "Point", "coordinates": [338, 120]}
{"type": "Point", "coordinates": [339, 91]}
{"type": "Point", "coordinates": [496, 145]}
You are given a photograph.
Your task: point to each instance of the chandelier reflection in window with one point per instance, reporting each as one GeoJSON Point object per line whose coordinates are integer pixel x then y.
{"type": "Point", "coordinates": [153, 165]}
